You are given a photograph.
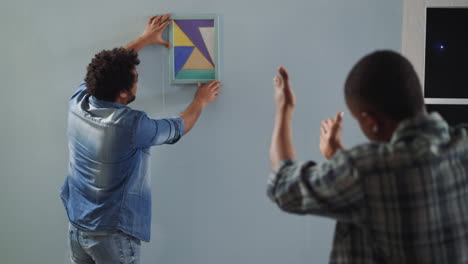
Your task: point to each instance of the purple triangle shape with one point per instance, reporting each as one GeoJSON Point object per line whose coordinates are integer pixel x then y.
{"type": "Point", "coordinates": [191, 28]}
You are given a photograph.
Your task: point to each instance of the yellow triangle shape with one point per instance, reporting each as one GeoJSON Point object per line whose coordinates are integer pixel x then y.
{"type": "Point", "coordinates": [197, 61]}
{"type": "Point", "coordinates": [180, 38]}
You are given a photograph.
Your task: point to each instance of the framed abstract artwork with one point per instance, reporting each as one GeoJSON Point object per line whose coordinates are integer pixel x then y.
{"type": "Point", "coordinates": [193, 56]}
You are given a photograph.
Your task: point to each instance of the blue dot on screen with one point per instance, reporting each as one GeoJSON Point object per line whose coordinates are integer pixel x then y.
{"type": "Point", "coordinates": [441, 47]}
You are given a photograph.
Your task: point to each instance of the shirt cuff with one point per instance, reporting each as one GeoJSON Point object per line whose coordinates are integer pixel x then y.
{"type": "Point", "coordinates": [181, 124]}
{"type": "Point", "coordinates": [178, 126]}
{"type": "Point", "coordinates": [275, 175]}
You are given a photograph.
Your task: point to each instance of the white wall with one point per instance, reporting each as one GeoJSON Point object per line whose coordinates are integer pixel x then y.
{"type": "Point", "coordinates": [209, 202]}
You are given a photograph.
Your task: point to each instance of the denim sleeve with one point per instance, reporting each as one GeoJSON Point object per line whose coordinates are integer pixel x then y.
{"type": "Point", "coordinates": [332, 189]}
{"type": "Point", "coordinates": [152, 132]}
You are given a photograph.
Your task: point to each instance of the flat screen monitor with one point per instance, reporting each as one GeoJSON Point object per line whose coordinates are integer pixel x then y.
{"type": "Point", "coordinates": [453, 114]}
{"type": "Point", "coordinates": [446, 63]}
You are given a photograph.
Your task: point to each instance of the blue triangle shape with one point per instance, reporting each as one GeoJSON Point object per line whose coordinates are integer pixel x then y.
{"type": "Point", "coordinates": [181, 55]}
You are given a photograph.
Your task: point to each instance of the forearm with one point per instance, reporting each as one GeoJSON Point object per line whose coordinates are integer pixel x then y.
{"type": "Point", "coordinates": [190, 115]}
{"type": "Point", "coordinates": [282, 147]}
{"type": "Point", "coordinates": [136, 45]}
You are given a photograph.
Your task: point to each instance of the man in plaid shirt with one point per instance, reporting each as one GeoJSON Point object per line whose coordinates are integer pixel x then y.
{"type": "Point", "coordinates": [403, 197]}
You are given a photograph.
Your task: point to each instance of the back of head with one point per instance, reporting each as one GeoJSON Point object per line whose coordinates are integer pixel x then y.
{"type": "Point", "coordinates": [110, 72]}
{"type": "Point", "coordinates": [385, 82]}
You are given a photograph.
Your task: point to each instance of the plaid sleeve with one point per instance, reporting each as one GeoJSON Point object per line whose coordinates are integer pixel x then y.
{"type": "Point", "coordinates": [331, 189]}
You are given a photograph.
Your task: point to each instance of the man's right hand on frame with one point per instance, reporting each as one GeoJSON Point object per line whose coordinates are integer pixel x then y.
{"type": "Point", "coordinates": [207, 93]}
{"type": "Point", "coordinates": [330, 137]}
{"type": "Point", "coordinates": [154, 29]}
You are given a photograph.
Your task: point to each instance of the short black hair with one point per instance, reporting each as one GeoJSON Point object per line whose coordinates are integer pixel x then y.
{"type": "Point", "coordinates": [388, 83]}
{"type": "Point", "coordinates": [110, 72]}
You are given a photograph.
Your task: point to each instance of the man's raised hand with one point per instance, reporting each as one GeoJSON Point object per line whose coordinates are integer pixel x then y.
{"type": "Point", "coordinates": [207, 93]}
{"type": "Point", "coordinates": [330, 137]}
{"type": "Point", "coordinates": [154, 29]}
{"type": "Point", "coordinates": [284, 96]}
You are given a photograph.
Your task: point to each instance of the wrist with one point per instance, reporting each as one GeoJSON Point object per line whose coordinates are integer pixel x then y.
{"type": "Point", "coordinates": [136, 45]}
{"type": "Point", "coordinates": [198, 103]}
{"type": "Point", "coordinates": [142, 41]}
{"type": "Point", "coordinates": [285, 110]}
{"type": "Point", "coordinates": [334, 149]}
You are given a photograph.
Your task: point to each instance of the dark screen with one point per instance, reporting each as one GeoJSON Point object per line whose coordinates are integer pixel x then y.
{"type": "Point", "coordinates": [453, 114]}
{"type": "Point", "coordinates": [446, 74]}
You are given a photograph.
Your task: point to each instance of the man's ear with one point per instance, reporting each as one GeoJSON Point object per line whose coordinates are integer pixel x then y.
{"type": "Point", "coordinates": [370, 122]}
{"type": "Point", "coordinates": [123, 94]}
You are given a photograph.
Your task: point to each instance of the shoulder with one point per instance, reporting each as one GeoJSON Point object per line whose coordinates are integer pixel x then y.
{"type": "Point", "coordinates": [79, 94]}
{"type": "Point", "coordinates": [368, 150]}
{"type": "Point", "coordinates": [368, 156]}
{"type": "Point", "coordinates": [459, 138]}
{"type": "Point", "coordinates": [129, 117]}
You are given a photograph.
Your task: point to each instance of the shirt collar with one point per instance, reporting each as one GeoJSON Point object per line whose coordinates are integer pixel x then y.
{"type": "Point", "coordinates": [431, 126]}
{"type": "Point", "coordinates": [105, 104]}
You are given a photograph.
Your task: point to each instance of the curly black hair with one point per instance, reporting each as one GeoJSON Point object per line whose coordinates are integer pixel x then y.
{"type": "Point", "coordinates": [110, 72]}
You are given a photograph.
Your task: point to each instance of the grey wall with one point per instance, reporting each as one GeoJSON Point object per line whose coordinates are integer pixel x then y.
{"type": "Point", "coordinates": [209, 202]}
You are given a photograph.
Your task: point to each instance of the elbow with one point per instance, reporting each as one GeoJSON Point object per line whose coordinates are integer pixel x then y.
{"type": "Point", "coordinates": [293, 207]}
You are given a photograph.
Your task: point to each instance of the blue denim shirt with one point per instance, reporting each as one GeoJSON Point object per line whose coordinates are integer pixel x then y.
{"type": "Point", "coordinates": [108, 181]}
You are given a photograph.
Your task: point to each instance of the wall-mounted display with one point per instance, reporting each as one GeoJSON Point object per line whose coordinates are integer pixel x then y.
{"type": "Point", "coordinates": [446, 69]}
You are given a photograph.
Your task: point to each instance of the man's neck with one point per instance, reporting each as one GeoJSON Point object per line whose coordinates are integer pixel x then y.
{"type": "Point", "coordinates": [120, 101]}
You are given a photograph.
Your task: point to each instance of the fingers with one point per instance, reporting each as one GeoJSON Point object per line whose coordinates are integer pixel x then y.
{"type": "Point", "coordinates": [332, 124]}
{"type": "Point", "coordinates": [325, 126]}
{"type": "Point", "coordinates": [214, 84]}
{"type": "Point", "coordinates": [336, 123]}
{"type": "Point", "coordinates": [332, 121]}
{"type": "Point", "coordinates": [216, 91]}
{"type": "Point", "coordinates": [214, 88]}
{"type": "Point", "coordinates": [330, 137]}
{"type": "Point", "coordinates": [200, 84]}
{"type": "Point", "coordinates": [210, 84]}
{"type": "Point", "coordinates": [165, 17]}
{"type": "Point", "coordinates": [278, 80]}
{"type": "Point", "coordinates": [165, 44]}
{"type": "Point", "coordinates": [339, 117]}
{"type": "Point", "coordinates": [159, 20]}
{"type": "Point", "coordinates": [165, 24]}
{"type": "Point", "coordinates": [283, 73]}
{"type": "Point", "coordinates": [323, 135]}
{"type": "Point", "coordinates": [150, 21]}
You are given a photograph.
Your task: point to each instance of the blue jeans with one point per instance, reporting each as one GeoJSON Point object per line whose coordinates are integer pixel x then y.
{"type": "Point", "coordinates": [102, 247]}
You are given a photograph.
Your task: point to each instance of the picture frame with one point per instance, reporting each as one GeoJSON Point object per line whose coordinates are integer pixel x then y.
{"type": "Point", "coordinates": [194, 52]}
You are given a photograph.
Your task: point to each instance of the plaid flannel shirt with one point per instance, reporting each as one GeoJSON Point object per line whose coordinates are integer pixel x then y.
{"type": "Point", "coordinates": [405, 201]}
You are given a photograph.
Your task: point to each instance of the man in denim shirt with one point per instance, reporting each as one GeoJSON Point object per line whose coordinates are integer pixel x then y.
{"type": "Point", "coordinates": [107, 192]}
